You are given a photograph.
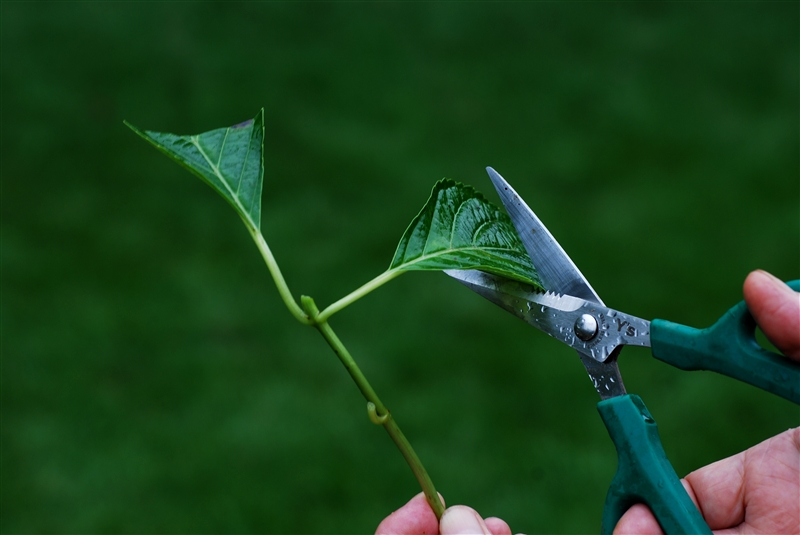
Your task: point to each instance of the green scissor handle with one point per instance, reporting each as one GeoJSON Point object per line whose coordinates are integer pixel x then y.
{"type": "Point", "coordinates": [728, 347]}
{"type": "Point", "coordinates": [644, 474]}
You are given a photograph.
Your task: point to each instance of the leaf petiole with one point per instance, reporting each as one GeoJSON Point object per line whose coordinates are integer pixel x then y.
{"type": "Point", "coordinates": [286, 294]}
{"type": "Point", "coordinates": [354, 296]}
{"type": "Point", "coordinates": [277, 276]}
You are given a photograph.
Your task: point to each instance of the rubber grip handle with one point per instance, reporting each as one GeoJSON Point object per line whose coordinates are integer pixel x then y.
{"type": "Point", "coordinates": [728, 347]}
{"type": "Point", "coordinates": [644, 474]}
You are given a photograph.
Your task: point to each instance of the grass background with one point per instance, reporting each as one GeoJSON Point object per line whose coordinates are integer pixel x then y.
{"type": "Point", "coordinates": [152, 381]}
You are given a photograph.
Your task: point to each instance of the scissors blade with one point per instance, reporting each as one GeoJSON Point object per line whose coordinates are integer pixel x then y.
{"type": "Point", "coordinates": [559, 274]}
{"type": "Point", "coordinates": [555, 268]}
{"type": "Point", "coordinates": [557, 315]}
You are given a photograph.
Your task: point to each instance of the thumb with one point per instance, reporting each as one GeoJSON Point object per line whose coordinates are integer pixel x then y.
{"type": "Point", "coordinates": [462, 520]}
{"type": "Point", "coordinates": [776, 309]}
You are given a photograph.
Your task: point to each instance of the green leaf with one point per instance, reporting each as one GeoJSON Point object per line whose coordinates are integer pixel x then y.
{"type": "Point", "coordinates": [230, 160]}
{"type": "Point", "coordinates": [459, 229]}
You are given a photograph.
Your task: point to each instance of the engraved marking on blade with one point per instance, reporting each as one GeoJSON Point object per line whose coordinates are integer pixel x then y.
{"type": "Point", "coordinates": [630, 331]}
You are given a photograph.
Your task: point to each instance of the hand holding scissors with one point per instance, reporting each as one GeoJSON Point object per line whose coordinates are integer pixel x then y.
{"type": "Point", "coordinates": [574, 314]}
{"type": "Point", "coordinates": [756, 491]}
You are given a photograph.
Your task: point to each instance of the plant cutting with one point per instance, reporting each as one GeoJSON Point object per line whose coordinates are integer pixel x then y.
{"type": "Point", "coordinates": [457, 228]}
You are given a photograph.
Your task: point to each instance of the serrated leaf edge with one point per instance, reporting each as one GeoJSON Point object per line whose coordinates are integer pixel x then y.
{"type": "Point", "coordinates": [443, 184]}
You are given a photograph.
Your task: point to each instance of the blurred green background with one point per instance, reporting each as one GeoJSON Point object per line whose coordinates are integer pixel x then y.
{"type": "Point", "coordinates": [152, 381]}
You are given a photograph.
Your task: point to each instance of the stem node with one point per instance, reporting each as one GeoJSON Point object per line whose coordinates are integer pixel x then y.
{"type": "Point", "coordinates": [374, 417]}
{"type": "Point", "coordinates": [310, 308]}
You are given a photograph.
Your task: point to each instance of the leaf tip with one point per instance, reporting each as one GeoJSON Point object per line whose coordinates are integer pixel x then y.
{"type": "Point", "coordinates": [259, 118]}
{"type": "Point", "coordinates": [141, 133]}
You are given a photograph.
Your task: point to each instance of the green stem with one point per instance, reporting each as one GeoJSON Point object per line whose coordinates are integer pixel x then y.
{"type": "Point", "coordinates": [378, 281]}
{"type": "Point", "coordinates": [378, 412]}
{"type": "Point", "coordinates": [413, 461]}
{"type": "Point", "coordinates": [277, 276]}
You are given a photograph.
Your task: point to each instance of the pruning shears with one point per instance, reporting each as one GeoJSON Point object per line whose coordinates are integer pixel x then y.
{"type": "Point", "coordinates": [572, 312]}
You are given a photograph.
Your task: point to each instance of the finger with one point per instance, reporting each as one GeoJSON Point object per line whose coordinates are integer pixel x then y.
{"type": "Point", "coordinates": [414, 518]}
{"type": "Point", "coordinates": [756, 490]}
{"type": "Point", "coordinates": [719, 488]}
{"type": "Point", "coordinates": [497, 526]}
{"type": "Point", "coordinates": [776, 309]}
{"type": "Point", "coordinates": [638, 520]}
{"type": "Point", "coordinates": [462, 520]}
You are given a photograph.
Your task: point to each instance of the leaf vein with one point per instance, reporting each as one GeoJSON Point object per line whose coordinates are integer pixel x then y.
{"type": "Point", "coordinates": [241, 173]}
{"type": "Point", "coordinates": [234, 197]}
{"type": "Point", "coordinates": [479, 228]}
{"type": "Point", "coordinates": [455, 220]}
{"type": "Point", "coordinates": [445, 252]}
{"type": "Point", "coordinates": [222, 147]}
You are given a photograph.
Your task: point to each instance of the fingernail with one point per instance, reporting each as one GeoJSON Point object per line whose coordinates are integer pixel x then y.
{"type": "Point", "coordinates": [461, 520]}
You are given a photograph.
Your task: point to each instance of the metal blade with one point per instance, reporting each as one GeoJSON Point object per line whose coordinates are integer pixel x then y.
{"type": "Point", "coordinates": [557, 272]}
{"type": "Point", "coordinates": [589, 328]}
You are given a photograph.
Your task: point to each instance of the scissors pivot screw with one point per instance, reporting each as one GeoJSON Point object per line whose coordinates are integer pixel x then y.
{"type": "Point", "coordinates": [586, 327]}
